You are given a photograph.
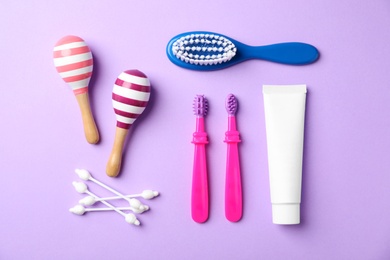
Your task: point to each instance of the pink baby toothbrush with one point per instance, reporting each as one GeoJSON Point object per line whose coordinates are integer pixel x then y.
{"type": "Point", "coordinates": [233, 193]}
{"type": "Point", "coordinates": [200, 198]}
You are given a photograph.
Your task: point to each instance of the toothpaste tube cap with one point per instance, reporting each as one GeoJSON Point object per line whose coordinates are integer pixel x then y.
{"type": "Point", "coordinates": [286, 214]}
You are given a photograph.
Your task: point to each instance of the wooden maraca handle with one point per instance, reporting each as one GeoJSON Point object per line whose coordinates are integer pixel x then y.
{"type": "Point", "coordinates": [90, 129]}
{"type": "Point", "coordinates": [114, 162]}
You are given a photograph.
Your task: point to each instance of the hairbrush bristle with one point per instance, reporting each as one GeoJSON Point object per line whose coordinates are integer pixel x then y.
{"type": "Point", "coordinates": [200, 106]}
{"type": "Point", "coordinates": [204, 49]}
{"type": "Point", "coordinates": [231, 104]}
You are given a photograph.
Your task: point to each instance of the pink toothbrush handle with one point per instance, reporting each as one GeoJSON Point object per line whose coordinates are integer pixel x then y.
{"type": "Point", "coordinates": [233, 192]}
{"type": "Point", "coordinates": [200, 196]}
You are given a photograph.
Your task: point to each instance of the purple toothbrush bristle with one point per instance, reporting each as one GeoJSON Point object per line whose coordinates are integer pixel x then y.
{"type": "Point", "coordinates": [200, 105]}
{"type": "Point", "coordinates": [231, 104]}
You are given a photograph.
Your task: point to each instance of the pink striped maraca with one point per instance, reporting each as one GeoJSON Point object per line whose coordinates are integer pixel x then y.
{"type": "Point", "coordinates": [129, 98]}
{"type": "Point", "coordinates": [74, 62]}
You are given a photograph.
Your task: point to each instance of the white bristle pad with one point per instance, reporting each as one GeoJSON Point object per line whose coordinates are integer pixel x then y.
{"type": "Point", "coordinates": [130, 96]}
{"type": "Point", "coordinates": [204, 49]}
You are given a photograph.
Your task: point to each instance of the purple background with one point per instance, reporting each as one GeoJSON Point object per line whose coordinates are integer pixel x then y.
{"type": "Point", "coordinates": [346, 178]}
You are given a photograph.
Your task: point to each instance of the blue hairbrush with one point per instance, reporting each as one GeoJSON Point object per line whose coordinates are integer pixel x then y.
{"type": "Point", "coordinates": [211, 51]}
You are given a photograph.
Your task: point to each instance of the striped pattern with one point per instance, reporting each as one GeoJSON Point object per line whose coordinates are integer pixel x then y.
{"type": "Point", "coordinates": [74, 62]}
{"type": "Point", "coordinates": [130, 96]}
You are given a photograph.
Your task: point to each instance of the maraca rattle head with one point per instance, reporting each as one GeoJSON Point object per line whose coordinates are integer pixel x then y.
{"type": "Point", "coordinates": [73, 61]}
{"type": "Point", "coordinates": [130, 96]}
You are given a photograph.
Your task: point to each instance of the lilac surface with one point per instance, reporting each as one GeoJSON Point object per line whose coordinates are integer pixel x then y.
{"type": "Point", "coordinates": [346, 180]}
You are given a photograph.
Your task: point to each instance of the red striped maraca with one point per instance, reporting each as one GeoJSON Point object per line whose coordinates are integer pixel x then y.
{"type": "Point", "coordinates": [129, 98]}
{"type": "Point", "coordinates": [74, 62]}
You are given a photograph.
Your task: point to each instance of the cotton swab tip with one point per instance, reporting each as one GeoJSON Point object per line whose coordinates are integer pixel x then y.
{"type": "Point", "coordinates": [78, 210]}
{"type": "Point", "coordinates": [88, 201]}
{"type": "Point", "coordinates": [132, 219]}
{"type": "Point", "coordinates": [83, 174]}
{"type": "Point", "coordinates": [134, 203]}
{"type": "Point", "coordinates": [149, 194]}
{"type": "Point", "coordinates": [80, 187]}
{"type": "Point", "coordinates": [140, 210]}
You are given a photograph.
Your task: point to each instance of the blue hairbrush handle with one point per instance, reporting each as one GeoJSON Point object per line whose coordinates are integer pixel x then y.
{"type": "Point", "coordinates": [190, 50]}
{"type": "Point", "coordinates": [292, 53]}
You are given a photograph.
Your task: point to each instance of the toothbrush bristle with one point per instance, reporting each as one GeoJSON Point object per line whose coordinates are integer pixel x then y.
{"type": "Point", "coordinates": [200, 106]}
{"type": "Point", "coordinates": [204, 49]}
{"type": "Point", "coordinates": [231, 104]}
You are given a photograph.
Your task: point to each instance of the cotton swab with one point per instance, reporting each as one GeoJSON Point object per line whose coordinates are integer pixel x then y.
{"type": "Point", "coordinates": [85, 175]}
{"type": "Point", "coordinates": [129, 217]}
{"type": "Point", "coordinates": [83, 188]}
{"type": "Point", "coordinates": [80, 210]}
{"type": "Point", "coordinates": [146, 194]}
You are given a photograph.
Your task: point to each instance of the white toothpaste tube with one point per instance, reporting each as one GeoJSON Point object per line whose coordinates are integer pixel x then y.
{"type": "Point", "coordinates": [284, 108]}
